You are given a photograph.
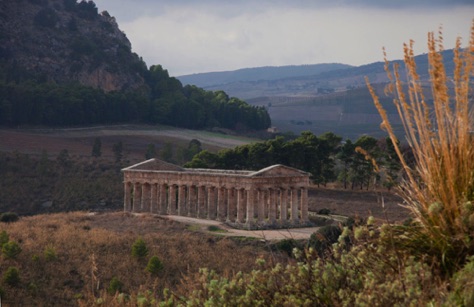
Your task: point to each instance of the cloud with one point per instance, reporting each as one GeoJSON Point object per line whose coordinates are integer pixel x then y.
{"type": "Point", "coordinates": [187, 36]}
{"type": "Point", "coordinates": [127, 10]}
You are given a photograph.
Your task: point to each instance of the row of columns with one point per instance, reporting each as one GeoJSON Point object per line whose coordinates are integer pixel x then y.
{"type": "Point", "coordinates": [236, 205]}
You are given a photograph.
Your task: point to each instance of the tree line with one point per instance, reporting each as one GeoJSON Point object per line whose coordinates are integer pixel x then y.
{"type": "Point", "coordinates": [359, 164]}
{"type": "Point", "coordinates": [165, 102]}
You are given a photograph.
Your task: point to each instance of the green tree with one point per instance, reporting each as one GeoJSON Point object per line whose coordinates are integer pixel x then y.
{"type": "Point", "coordinates": [346, 157]}
{"type": "Point", "coordinates": [96, 148]}
{"type": "Point", "coordinates": [392, 164]}
{"type": "Point", "coordinates": [150, 151]}
{"type": "Point", "coordinates": [43, 166]}
{"type": "Point", "coordinates": [166, 152]}
{"type": "Point", "coordinates": [12, 276]}
{"type": "Point", "coordinates": [154, 266]}
{"type": "Point", "coordinates": [365, 161]}
{"type": "Point", "coordinates": [49, 253]}
{"type": "Point", "coordinates": [11, 249]}
{"type": "Point", "coordinates": [117, 148]}
{"type": "Point", "coordinates": [204, 159]}
{"type": "Point", "coordinates": [4, 238]}
{"type": "Point", "coordinates": [328, 148]}
{"type": "Point", "coordinates": [139, 249]}
{"type": "Point", "coordinates": [9, 217]}
{"type": "Point", "coordinates": [63, 158]}
{"type": "Point", "coordinates": [115, 286]}
{"type": "Point", "coordinates": [194, 147]}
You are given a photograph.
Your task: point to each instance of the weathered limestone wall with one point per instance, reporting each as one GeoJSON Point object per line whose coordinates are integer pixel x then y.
{"type": "Point", "coordinates": [276, 196]}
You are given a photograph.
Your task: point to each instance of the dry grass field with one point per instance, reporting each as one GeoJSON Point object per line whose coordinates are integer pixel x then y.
{"type": "Point", "coordinates": [67, 257]}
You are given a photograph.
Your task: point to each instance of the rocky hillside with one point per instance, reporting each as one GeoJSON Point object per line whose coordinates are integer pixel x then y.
{"type": "Point", "coordinates": [64, 41]}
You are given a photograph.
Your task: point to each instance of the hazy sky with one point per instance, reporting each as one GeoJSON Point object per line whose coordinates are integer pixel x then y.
{"type": "Point", "coordinates": [191, 36]}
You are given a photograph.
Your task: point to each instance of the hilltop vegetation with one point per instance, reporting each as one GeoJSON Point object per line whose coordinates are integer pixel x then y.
{"type": "Point", "coordinates": [88, 75]}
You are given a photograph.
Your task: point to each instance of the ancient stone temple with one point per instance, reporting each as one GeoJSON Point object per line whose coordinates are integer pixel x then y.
{"type": "Point", "coordinates": [276, 196]}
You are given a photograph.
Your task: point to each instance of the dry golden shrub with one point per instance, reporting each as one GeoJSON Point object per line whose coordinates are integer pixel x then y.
{"type": "Point", "coordinates": [439, 190]}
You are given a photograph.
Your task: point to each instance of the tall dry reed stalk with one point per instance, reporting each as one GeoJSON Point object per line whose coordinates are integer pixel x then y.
{"type": "Point", "coordinates": [439, 189]}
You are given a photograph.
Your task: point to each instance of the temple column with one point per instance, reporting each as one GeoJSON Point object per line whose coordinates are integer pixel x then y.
{"type": "Point", "coordinates": [221, 200]}
{"type": "Point", "coordinates": [127, 197]}
{"type": "Point", "coordinates": [251, 193]}
{"type": "Point", "coordinates": [294, 205]}
{"type": "Point", "coordinates": [261, 206]}
{"type": "Point", "coordinates": [137, 197]}
{"type": "Point", "coordinates": [283, 205]}
{"type": "Point", "coordinates": [201, 206]}
{"type": "Point", "coordinates": [182, 200]}
{"type": "Point", "coordinates": [192, 203]}
{"type": "Point", "coordinates": [172, 199]}
{"type": "Point", "coordinates": [272, 206]}
{"type": "Point", "coordinates": [241, 205]}
{"type": "Point", "coordinates": [154, 199]}
{"type": "Point", "coordinates": [146, 197]}
{"type": "Point", "coordinates": [304, 205]}
{"type": "Point", "coordinates": [163, 199]}
{"type": "Point", "coordinates": [231, 205]}
{"type": "Point", "coordinates": [211, 204]}
{"type": "Point", "coordinates": [266, 202]}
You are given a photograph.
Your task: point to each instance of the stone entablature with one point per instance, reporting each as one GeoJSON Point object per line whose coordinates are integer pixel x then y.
{"type": "Point", "coordinates": [274, 196]}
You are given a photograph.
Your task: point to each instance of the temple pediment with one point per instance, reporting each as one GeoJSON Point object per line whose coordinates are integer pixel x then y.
{"type": "Point", "coordinates": [155, 165]}
{"type": "Point", "coordinates": [277, 171]}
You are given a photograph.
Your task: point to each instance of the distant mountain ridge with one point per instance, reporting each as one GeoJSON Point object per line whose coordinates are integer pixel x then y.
{"type": "Point", "coordinates": [258, 73]}
{"type": "Point", "coordinates": [301, 80]}
{"type": "Point", "coordinates": [332, 99]}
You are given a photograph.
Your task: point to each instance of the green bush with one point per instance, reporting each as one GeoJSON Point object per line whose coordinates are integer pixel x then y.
{"type": "Point", "coordinates": [139, 249]}
{"type": "Point", "coordinates": [11, 276]}
{"type": "Point", "coordinates": [463, 286]}
{"type": "Point", "coordinates": [351, 222]}
{"type": "Point", "coordinates": [4, 238]}
{"type": "Point", "coordinates": [154, 266]}
{"type": "Point", "coordinates": [9, 217]}
{"type": "Point", "coordinates": [11, 249]}
{"type": "Point", "coordinates": [324, 211]}
{"type": "Point", "coordinates": [287, 246]}
{"type": "Point", "coordinates": [49, 253]}
{"type": "Point", "coordinates": [115, 286]}
{"type": "Point", "coordinates": [214, 228]}
{"type": "Point", "coordinates": [323, 238]}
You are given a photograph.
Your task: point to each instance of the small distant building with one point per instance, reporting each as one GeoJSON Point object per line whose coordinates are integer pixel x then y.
{"type": "Point", "coordinates": [275, 196]}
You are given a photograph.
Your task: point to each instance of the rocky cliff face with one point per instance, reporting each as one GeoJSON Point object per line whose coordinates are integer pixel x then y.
{"type": "Point", "coordinates": [66, 41]}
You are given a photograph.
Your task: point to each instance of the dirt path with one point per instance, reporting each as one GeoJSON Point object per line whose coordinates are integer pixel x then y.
{"type": "Point", "coordinates": [277, 234]}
